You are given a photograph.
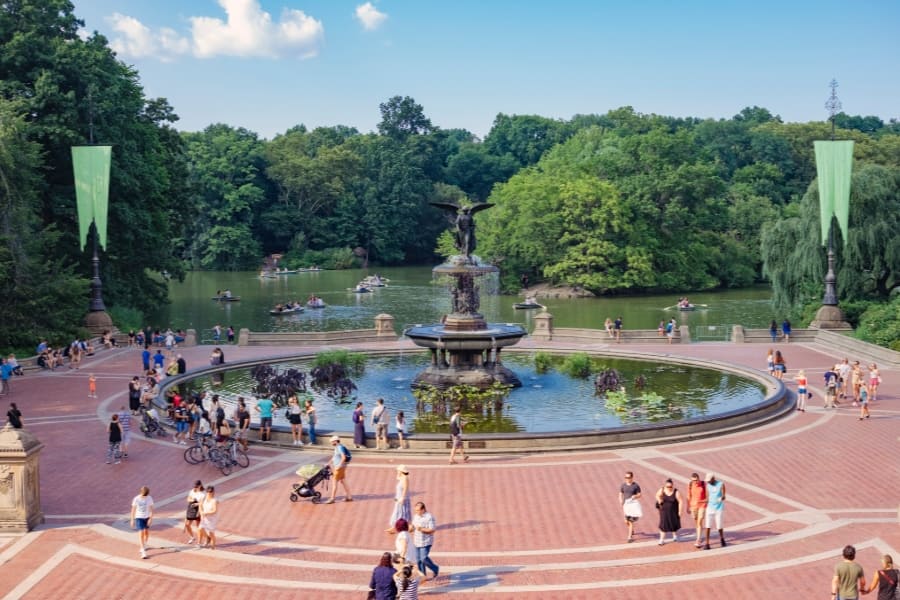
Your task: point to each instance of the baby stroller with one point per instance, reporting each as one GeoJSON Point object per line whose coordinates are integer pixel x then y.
{"type": "Point", "coordinates": [310, 477]}
{"type": "Point", "coordinates": [151, 424]}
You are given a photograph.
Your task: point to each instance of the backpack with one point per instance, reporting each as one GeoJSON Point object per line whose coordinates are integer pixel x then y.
{"type": "Point", "coordinates": [347, 454]}
{"type": "Point", "coordinates": [454, 426]}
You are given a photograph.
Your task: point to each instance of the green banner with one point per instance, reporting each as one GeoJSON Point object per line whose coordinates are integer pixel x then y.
{"type": "Point", "coordinates": [834, 164]}
{"type": "Point", "coordinates": [91, 165]}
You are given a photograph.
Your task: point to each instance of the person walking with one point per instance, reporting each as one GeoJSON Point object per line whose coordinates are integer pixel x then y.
{"type": "Point", "coordinates": [92, 386]}
{"type": "Point", "coordinates": [134, 394]}
{"type": "Point", "coordinates": [423, 538]}
{"type": "Point", "coordinates": [780, 365]}
{"type": "Point", "coordinates": [402, 508]}
{"type": "Point", "coordinates": [629, 499]}
{"type": "Point", "coordinates": [773, 330]}
{"type": "Point", "coordinates": [359, 426]}
{"type": "Point", "coordinates": [6, 372]}
{"type": "Point", "coordinates": [339, 461]}
{"type": "Point", "coordinates": [863, 404]}
{"type": "Point", "coordinates": [114, 433]}
{"type": "Point", "coordinates": [715, 492]}
{"type": "Point", "coordinates": [617, 326]}
{"type": "Point", "coordinates": [874, 382]}
{"type": "Point", "coordinates": [380, 419]}
{"type": "Point", "coordinates": [770, 362]}
{"type": "Point", "coordinates": [849, 579]}
{"type": "Point", "coordinates": [125, 424]}
{"type": "Point", "coordinates": [697, 501]}
{"type": "Point", "coordinates": [831, 387]}
{"type": "Point", "coordinates": [142, 516]}
{"type": "Point", "coordinates": [669, 504]}
{"type": "Point", "coordinates": [381, 585]}
{"type": "Point", "coordinates": [192, 514]}
{"type": "Point", "coordinates": [885, 580]}
{"type": "Point", "coordinates": [456, 439]}
{"type": "Point", "coordinates": [404, 549]}
{"type": "Point", "coordinates": [14, 416]}
{"type": "Point", "coordinates": [209, 518]}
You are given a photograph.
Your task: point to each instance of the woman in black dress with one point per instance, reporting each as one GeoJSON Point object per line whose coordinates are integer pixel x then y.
{"type": "Point", "coordinates": [359, 426]}
{"type": "Point", "coordinates": [885, 579]}
{"type": "Point", "coordinates": [669, 503]}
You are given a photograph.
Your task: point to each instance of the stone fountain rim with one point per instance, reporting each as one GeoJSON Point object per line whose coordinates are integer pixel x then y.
{"type": "Point", "coordinates": [777, 403]}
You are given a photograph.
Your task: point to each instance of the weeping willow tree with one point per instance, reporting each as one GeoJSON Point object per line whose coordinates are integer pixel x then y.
{"type": "Point", "coordinates": [868, 265]}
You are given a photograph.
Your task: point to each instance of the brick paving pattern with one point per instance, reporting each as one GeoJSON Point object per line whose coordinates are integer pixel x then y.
{"type": "Point", "coordinates": [510, 526]}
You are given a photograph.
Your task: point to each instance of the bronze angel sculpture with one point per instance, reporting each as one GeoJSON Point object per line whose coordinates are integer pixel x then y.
{"type": "Point", "coordinates": [465, 224]}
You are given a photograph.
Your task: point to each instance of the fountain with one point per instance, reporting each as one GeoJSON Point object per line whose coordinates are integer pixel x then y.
{"type": "Point", "coordinates": [465, 349]}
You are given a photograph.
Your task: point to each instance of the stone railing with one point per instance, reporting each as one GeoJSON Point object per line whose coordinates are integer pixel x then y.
{"type": "Point", "coordinates": [844, 344]}
{"type": "Point", "coordinates": [740, 335]}
{"type": "Point", "coordinates": [545, 331]}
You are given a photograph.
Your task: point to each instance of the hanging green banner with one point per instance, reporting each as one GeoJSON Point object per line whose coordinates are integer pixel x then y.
{"type": "Point", "coordinates": [91, 165]}
{"type": "Point", "coordinates": [834, 165]}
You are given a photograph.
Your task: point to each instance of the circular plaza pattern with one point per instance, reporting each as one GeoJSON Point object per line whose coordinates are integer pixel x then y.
{"type": "Point", "coordinates": [509, 525]}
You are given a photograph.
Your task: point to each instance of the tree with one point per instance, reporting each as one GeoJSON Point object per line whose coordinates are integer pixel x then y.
{"type": "Point", "coordinates": [402, 117]}
{"type": "Point", "coordinates": [525, 137]}
{"type": "Point", "coordinates": [868, 267]}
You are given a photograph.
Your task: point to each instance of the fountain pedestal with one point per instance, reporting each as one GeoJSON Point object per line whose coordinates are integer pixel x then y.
{"type": "Point", "coordinates": [465, 348]}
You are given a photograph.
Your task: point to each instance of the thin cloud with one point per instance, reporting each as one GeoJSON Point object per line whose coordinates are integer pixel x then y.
{"type": "Point", "coordinates": [247, 31]}
{"type": "Point", "coordinates": [370, 17]}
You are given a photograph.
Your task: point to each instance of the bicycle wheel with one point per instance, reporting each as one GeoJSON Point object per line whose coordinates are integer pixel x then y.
{"type": "Point", "coordinates": [194, 455]}
{"type": "Point", "coordinates": [225, 464]}
{"type": "Point", "coordinates": [242, 458]}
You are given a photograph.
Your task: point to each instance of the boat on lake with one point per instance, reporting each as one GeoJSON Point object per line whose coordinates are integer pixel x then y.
{"type": "Point", "coordinates": [359, 289]}
{"type": "Point", "coordinates": [315, 303]}
{"type": "Point", "coordinates": [286, 309]}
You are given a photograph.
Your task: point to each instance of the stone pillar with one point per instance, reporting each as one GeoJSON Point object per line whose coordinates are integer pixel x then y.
{"type": "Point", "coordinates": [543, 326]}
{"type": "Point", "coordinates": [384, 325]}
{"type": "Point", "coordinates": [20, 484]}
{"type": "Point", "coordinates": [244, 337]}
{"type": "Point", "coordinates": [190, 338]}
{"type": "Point", "coordinates": [737, 334]}
{"type": "Point", "coordinates": [684, 334]}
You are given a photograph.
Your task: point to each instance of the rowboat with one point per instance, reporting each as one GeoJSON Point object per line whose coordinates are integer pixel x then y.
{"type": "Point", "coordinates": [286, 311]}
{"type": "Point", "coordinates": [226, 298]}
{"type": "Point", "coordinates": [319, 303]}
{"type": "Point", "coordinates": [527, 305]}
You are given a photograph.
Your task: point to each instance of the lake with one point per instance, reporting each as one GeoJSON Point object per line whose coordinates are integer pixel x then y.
{"type": "Point", "coordinates": [411, 297]}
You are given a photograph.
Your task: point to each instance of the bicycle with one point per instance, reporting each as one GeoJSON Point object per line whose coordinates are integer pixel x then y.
{"type": "Point", "coordinates": [200, 451]}
{"type": "Point", "coordinates": [228, 455]}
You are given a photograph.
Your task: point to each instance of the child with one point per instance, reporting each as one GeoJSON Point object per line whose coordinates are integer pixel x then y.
{"type": "Point", "coordinates": [400, 422]}
{"type": "Point", "coordinates": [863, 404]}
{"type": "Point", "coordinates": [92, 386]}
{"type": "Point", "coordinates": [801, 390]}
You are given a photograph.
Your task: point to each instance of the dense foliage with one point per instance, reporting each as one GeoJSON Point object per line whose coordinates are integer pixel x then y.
{"type": "Point", "coordinates": [613, 203]}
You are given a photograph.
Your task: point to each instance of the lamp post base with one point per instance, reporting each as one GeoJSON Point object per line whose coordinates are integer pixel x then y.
{"type": "Point", "coordinates": [830, 316]}
{"type": "Point", "coordinates": [98, 322]}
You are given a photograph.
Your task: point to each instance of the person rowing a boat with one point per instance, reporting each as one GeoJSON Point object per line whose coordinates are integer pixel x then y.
{"type": "Point", "coordinates": [228, 293]}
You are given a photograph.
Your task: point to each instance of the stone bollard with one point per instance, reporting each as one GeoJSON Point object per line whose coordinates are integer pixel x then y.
{"type": "Point", "coordinates": [384, 326]}
{"type": "Point", "coordinates": [737, 334]}
{"type": "Point", "coordinates": [243, 337]}
{"type": "Point", "coordinates": [20, 482]}
{"type": "Point", "coordinates": [543, 326]}
{"type": "Point", "coordinates": [684, 334]}
{"type": "Point", "coordinates": [190, 338]}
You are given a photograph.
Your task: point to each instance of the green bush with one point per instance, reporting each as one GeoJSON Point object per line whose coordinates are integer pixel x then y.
{"type": "Point", "coordinates": [577, 365]}
{"type": "Point", "coordinates": [330, 258]}
{"type": "Point", "coordinates": [543, 362]}
{"type": "Point", "coordinates": [880, 324]}
{"type": "Point", "coordinates": [125, 318]}
{"type": "Point", "coordinates": [353, 362]}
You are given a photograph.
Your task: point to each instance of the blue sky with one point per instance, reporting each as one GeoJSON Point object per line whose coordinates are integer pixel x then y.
{"type": "Point", "coordinates": [268, 65]}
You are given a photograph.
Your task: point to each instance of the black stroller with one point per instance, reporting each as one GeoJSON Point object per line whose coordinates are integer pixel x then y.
{"type": "Point", "coordinates": [310, 476]}
{"type": "Point", "coordinates": [150, 423]}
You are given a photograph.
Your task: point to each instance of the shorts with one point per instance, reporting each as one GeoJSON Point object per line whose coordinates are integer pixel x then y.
{"type": "Point", "coordinates": [295, 419]}
{"type": "Point", "coordinates": [632, 519]}
{"type": "Point", "coordinates": [381, 430]}
{"type": "Point", "coordinates": [713, 517]}
{"type": "Point", "coordinates": [340, 474]}
{"type": "Point", "coordinates": [126, 436]}
{"type": "Point", "coordinates": [181, 426]}
{"type": "Point", "coordinates": [457, 441]}
{"type": "Point", "coordinates": [698, 513]}
{"type": "Point", "coordinates": [265, 422]}
{"type": "Point", "coordinates": [141, 524]}
{"type": "Point", "coordinates": [780, 368]}
{"type": "Point", "coordinates": [240, 434]}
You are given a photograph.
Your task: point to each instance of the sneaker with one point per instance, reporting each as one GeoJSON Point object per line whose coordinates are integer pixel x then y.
{"type": "Point", "coordinates": [329, 501]}
{"type": "Point", "coordinates": [299, 443]}
{"type": "Point", "coordinates": [143, 554]}
{"type": "Point", "coordinates": [190, 541]}
{"type": "Point", "coordinates": [724, 543]}
{"type": "Point", "coordinates": [107, 462]}
{"type": "Point", "coordinates": [183, 443]}
{"type": "Point", "coordinates": [175, 439]}
{"type": "Point", "coordinates": [706, 547]}
{"type": "Point", "coordinates": [118, 462]}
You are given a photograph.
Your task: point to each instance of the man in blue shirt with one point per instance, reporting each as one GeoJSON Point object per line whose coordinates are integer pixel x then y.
{"type": "Point", "coordinates": [158, 359]}
{"type": "Point", "coordinates": [339, 461]}
{"type": "Point", "coordinates": [6, 371]}
{"type": "Point", "coordinates": [715, 493]}
{"type": "Point", "coordinates": [264, 407]}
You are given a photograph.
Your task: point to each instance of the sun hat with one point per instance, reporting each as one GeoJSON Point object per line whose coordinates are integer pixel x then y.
{"type": "Point", "coordinates": [335, 438]}
{"type": "Point", "coordinates": [403, 469]}
{"type": "Point", "coordinates": [709, 477]}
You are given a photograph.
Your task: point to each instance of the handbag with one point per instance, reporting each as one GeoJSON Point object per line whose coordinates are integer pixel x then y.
{"type": "Point", "coordinates": [193, 510]}
{"type": "Point", "coordinates": [225, 429]}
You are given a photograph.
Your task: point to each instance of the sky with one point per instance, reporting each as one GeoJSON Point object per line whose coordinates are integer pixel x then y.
{"type": "Point", "coordinates": [269, 65]}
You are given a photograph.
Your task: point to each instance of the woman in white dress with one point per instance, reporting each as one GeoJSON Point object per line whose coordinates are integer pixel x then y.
{"type": "Point", "coordinates": [402, 506]}
{"type": "Point", "coordinates": [404, 549]}
{"type": "Point", "coordinates": [209, 518]}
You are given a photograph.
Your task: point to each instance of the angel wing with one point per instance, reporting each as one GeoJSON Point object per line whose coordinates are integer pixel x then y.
{"type": "Point", "coordinates": [446, 206]}
{"type": "Point", "coordinates": [480, 206]}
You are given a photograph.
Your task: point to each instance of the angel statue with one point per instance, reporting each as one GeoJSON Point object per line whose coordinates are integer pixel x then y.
{"type": "Point", "coordinates": [465, 224]}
